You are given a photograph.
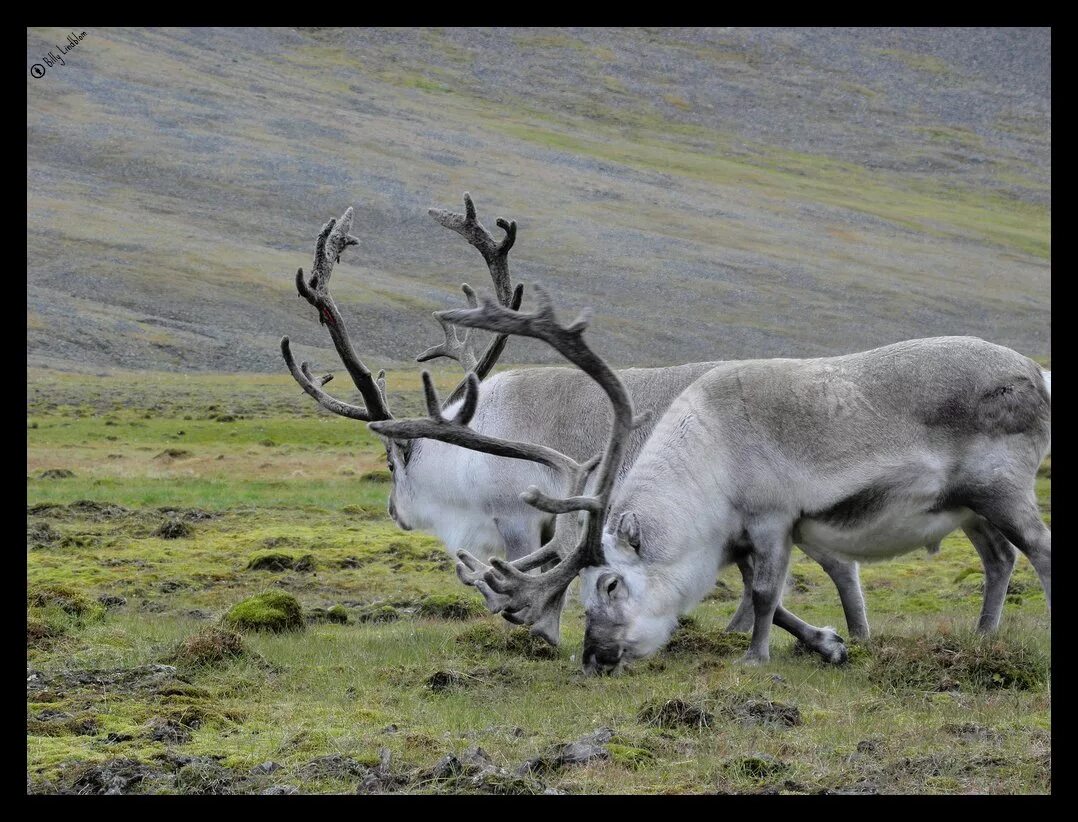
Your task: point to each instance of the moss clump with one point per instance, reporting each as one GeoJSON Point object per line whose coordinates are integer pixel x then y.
{"type": "Point", "coordinates": [489, 637]}
{"type": "Point", "coordinates": [209, 647]}
{"type": "Point", "coordinates": [755, 767]}
{"type": "Point", "coordinates": [691, 638]}
{"type": "Point", "coordinates": [338, 614]}
{"type": "Point", "coordinates": [630, 757]}
{"type": "Point", "coordinates": [271, 561]}
{"type": "Point", "coordinates": [378, 613]}
{"type": "Point", "coordinates": [959, 661]}
{"type": "Point", "coordinates": [450, 606]}
{"type": "Point", "coordinates": [274, 611]}
{"type": "Point", "coordinates": [69, 600]}
{"type": "Point", "coordinates": [378, 475]}
{"type": "Point", "coordinates": [42, 634]}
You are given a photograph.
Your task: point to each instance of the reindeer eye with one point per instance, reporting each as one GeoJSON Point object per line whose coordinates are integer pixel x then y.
{"type": "Point", "coordinates": [390, 464]}
{"type": "Point", "coordinates": [612, 585]}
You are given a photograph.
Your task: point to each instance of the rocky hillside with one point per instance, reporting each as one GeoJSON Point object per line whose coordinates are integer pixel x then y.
{"type": "Point", "coordinates": [711, 193]}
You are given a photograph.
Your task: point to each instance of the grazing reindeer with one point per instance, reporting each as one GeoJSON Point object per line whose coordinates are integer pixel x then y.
{"type": "Point", "coordinates": [471, 500]}
{"type": "Point", "coordinates": [866, 456]}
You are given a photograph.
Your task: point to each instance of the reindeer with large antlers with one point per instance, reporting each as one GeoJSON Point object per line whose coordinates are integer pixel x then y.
{"type": "Point", "coordinates": [470, 499]}
{"type": "Point", "coordinates": [867, 456]}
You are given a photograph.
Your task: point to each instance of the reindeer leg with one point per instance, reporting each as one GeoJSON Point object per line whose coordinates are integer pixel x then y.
{"type": "Point", "coordinates": [1017, 516]}
{"type": "Point", "coordinates": [847, 580]}
{"type": "Point", "coordinates": [823, 641]}
{"type": "Point", "coordinates": [771, 546]}
{"type": "Point", "coordinates": [521, 536]}
{"type": "Point", "coordinates": [998, 556]}
{"type": "Point", "coordinates": [742, 620]}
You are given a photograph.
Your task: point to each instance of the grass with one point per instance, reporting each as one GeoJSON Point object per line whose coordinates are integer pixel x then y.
{"type": "Point", "coordinates": [157, 696]}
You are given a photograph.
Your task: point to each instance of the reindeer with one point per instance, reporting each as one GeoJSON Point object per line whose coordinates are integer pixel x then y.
{"type": "Point", "coordinates": [865, 456]}
{"type": "Point", "coordinates": [470, 500]}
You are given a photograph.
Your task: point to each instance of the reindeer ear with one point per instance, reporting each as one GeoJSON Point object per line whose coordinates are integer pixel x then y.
{"type": "Point", "coordinates": [629, 529]}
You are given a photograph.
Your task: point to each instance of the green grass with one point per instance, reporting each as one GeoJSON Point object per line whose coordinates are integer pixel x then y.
{"type": "Point", "coordinates": [352, 689]}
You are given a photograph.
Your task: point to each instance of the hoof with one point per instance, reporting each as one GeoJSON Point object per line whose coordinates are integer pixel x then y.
{"type": "Point", "coordinates": [831, 647]}
{"type": "Point", "coordinates": [753, 659]}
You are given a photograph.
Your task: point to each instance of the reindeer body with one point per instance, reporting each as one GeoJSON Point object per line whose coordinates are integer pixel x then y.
{"type": "Point", "coordinates": [471, 500]}
{"type": "Point", "coordinates": [866, 456]}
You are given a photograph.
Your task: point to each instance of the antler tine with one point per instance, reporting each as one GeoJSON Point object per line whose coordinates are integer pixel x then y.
{"type": "Point", "coordinates": [332, 240]}
{"type": "Point", "coordinates": [455, 347]}
{"type": "Point", "coordinates": [455, 431]}
{"type": "Point", "coordinates": [302, 375]}
{"type": "Point", "coordinates": [520, 597]}
{"type": "Point", "coordinates": [495, 253]}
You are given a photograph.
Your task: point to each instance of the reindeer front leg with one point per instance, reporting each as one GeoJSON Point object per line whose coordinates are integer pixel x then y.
{"type": "Point", "coordinates": [771, 546]}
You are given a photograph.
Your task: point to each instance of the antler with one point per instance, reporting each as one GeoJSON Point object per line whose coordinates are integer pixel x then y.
{"type": "Point", "coordinates": [521, 597]}
{"type": "Point", "coordinates": [496, 255]}
{"type": "Point", "coordinates": [332, 240]}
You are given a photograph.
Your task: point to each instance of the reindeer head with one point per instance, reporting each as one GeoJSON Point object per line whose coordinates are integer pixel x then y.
{"type": "Point", "coordinates": [521, 597]}
{"type": "Point", "coordinates": [332, 240]}
{"type": "Point", "coordinates": [627, 616]}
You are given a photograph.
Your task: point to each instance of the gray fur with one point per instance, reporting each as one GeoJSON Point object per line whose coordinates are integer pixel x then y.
{"type": "Point", "coordinates": [864, 456]}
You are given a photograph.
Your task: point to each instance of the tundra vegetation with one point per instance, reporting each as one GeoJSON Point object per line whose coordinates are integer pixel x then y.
{"type": "Point", "coordinates": [138, 682]}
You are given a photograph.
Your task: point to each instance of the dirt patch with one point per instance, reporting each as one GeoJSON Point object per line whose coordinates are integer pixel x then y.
{"type": "Point", "coordinates": [675, 713]}
{"type": "Point", "coordinates": [209, 647]}
{"type": "Point", "coordinates": [56, 473]}
{"type": "Point", "coordinates": [68, 600]}
{"type": "Point", "coordinates": [755, 709]}
{"type": "Point", "coordinates": [117, 776]}
{"type": "Point", "coordinates": [173, 529]}
{"type": "Point", "coordinates": [188, 514]}
{"type": "Point", "coordinates": [441, 681]}
{"type": "Point", "coordinates": [272, 561]}
{"type": "Point", "coordinates": [702, 712]}
{"type": "Point", "coordinates": [111, 601]}
{"type": "Point", "coordinates": [334, 766]}
{"type": "Point", "coordinates": [170, 454]}
{"type": "Point", "coordinates": [41, 535]}
{"type": "Point", "coordinates": [691, 638]}
{"type": "Point", "coordinates": [84, 508]}
{"type": "Point", "coordinates": [58, 723]}
{"type": "Point", "coordinates": [957, 662]}
{"type": "Point", "coordinates": [757, 767]}
{"type": "Point", "coordinates": [972, 732]}
{"type": "Point", "coordinates": [488, 637]}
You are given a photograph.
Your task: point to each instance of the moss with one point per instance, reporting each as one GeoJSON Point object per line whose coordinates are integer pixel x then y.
{"type": "Point", "coordinates": [337, 614]}
{"type": "Point", "coordinates": [961, 661]}
{"type": "Point", "coordinates": [450, 606]}
{"type": "Point", "coordinates": [630, 757]}
{"type": "Point", "coordinates": [67, 599]}
{"type": "Point", "coordinates": [378, 613]}
{"type": "Point", "coordinates": [488, 637]}
{"type": "Point", "coordinates": [274, 611]}
{"type": "Point", "coordinates": [209, 647]}
{"type": "Point", "coordinates": [270, 561]}
{"type": "Point", "coordinates": [378, 475]}
{"type": "Point", "coordinates": [691, 638]}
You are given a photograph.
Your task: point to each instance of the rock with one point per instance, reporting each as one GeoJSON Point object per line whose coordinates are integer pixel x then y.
{"type": "Point", "coordinates": [111, 601]}
{"type": "Point", "coordinates": [281, 790]}
{"type": "Point", "coordinates": [266, 768]}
